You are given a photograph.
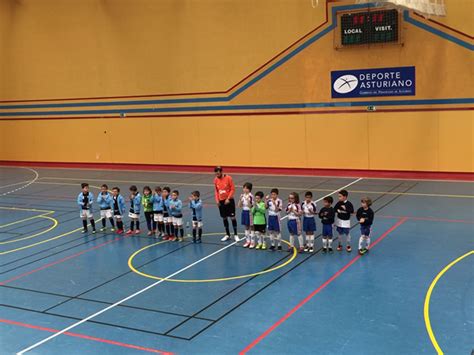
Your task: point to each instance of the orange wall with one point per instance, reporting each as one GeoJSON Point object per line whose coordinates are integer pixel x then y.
{"type": "Point", "coordinates": [96, 48]}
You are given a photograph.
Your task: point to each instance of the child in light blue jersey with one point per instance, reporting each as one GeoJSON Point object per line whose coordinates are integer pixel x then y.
{"type": "Point", "coordinates": [85, 200]}
{"type": "Point", "coordinates": [176, 208]}
{"type": "Point", "coordinates": [105, 202]}
{"type": "Point", "coordinates": [195, 204]}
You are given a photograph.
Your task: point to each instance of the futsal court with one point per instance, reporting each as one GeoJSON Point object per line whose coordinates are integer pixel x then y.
{"type": "Point", "coordinates": [217, 297]}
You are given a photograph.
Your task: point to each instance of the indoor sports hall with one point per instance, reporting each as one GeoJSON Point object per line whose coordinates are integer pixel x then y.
{"type": "Point", "coordinates": [236, 177]}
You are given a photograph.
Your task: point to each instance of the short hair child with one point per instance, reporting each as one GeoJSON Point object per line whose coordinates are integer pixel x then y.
{"type": "Point", "coordinates": [147, 204]}
{"type": "Point", "coordinates": [195, 204]}
{"type": "Point", "coordinates": [176, 208]}
{"type": "Point", "coordinates": [309, 224]}
{"type": "Point", "coordinates": [259, 211]}
{"type": "Point", "coordinates": [293, 210]}
{"type": "Point", "coordinates": [105, 203]}
{"type": "Point", "coordinates": [167, 220]}
{"type": "Point", "coordinates": [326, 214]}
{"type": "Point", "coordinates": [274, 207]}
{"type": "Point", "coordinates": [85, 200]}
{"type": "Point", "coordinates": [118, 205]}
{"type": "Point", "coordinates": [365, 216]}
{"type": "Point", "coordinates": [134, 213]}
{"type": "Point", "coordinates": [157, 200]}
{"type": "Point", "coordinates": [344, 209]}
{"type": "Point", "coordinates": [246, 202]}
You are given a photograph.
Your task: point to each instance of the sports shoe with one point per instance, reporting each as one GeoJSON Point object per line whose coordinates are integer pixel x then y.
{"type": "Point", "coordinates": [252, 245]}
{"type": "Point", "coordinates": [199, 240]}
{"type": "Point", "coordinates": [103, 229]}
{"type": "Point", "coordinates": [180, 239]}
{"type": "Point", "coordinates": [272, 248]}
{"type": "Point", "coordinates": [94, 231]}
{"type": "Point", "coordinates": [236, 238]}
{"type": "Point", "coordinates": [306, 248]}
{"type": "Point", "coordinates": [226, 238]}
{"type": "Point", "coordinates": [246, 245]}
{"type": "Point", "coordinates": [290, 249]}
{"type": "Point", "coordinates": [348, 248]}
{"type": "Point", "coordinates": [112, 229]}
{"type": "Point", "coordinates": [279, 248]}
{"type": "Point", "coordinates": [264, 246]}
{"type": "Point", "coordinates": [119, 231]}
{"type": "Point", "coordinates": [84, 231]}
{"type": "Point", "coordinates": [149, 233]}
{"type": "Point", "coordinates": [301, 249]}
{"type": "Point", "coordinates": [259, 246]}
{"type": "Point", "coordinates": [311, 250]}
{"type": "Point", "coordinates": [325, 250]}
{"type": "Point", "coordinates": [330, 250]}
{"type": "Point", "coordinates": [129, 232]}
{"type": "Point", "coordinates": [339, 247]}
{"type": "Point", "coordinates": [173, 239]}
{"type": "Point", "coordinates": [137, 231]}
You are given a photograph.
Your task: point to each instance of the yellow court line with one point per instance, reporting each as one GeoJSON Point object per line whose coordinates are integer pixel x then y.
{"type": "Point", "coordinates": [23, 220]}
{"type": "Point", "coordinates": [266, 187]}
{"type": "Point", "coordinates": [55, 224]}
{"type": "Point", "coordinates": [130, 265]}
{"type": "Point", "coordinates": [426, 310]}
{"type": "Point", "coordinates": [25, 209]}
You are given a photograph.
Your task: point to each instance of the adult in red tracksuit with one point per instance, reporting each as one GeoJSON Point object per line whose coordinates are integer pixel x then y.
{"type": "Point", "coordinates": [224, 193]}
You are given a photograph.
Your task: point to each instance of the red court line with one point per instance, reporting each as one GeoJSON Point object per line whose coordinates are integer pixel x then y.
{"type": "Point", "coordinates": [88, 337]}
{"type": "Point", "coordinates": [447, 220]}
{"type": "Point", "coordinates": [59, 261]}
{"type": "Point", "coordinates": [346, 173]}
{"type": "Point", "coordinates": [316, 291]}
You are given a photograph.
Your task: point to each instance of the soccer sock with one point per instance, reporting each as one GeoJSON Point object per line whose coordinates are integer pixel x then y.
{"type": "Point", "coordinates": [325, 243]}
{"type": "Point", "coordinates": [272, 239]}
{"type": "Point", "coordinates": [137, 222]}
{"type": "Point", "coordinates": [112, 223]}
{"type": "Point", "coordinates": [367, 242]}
{"type": "Point", "coordinates": [93, 224]}
{"type": "Point", "coordinates": [260, 238]}
{"type": "Point", "coordinates": [252, 236]}
{"type": "Point", "coordinates": [348, 239]}
{"type": "Point", "coordinates": [84, 223]}
{"type": "Point", "coordinates": [194, 234]}
{"type": "Point", "coordinates": [300, 240]}
{"type": "Point", "coordinates": [292, 240]}
{"type": "Point", "coordinates": [154, 224]}
{"type": "Point", "coordinates": [234, 226]}
{"type": "Point", "coordinates": [148, 223]}
{"type": "Point", "coordinates": [103, 222]}
{"type": "Point", "coordinates": [200, 233]}
{"type": "Point", "coordinates": [311, 240]}
{"type": "Point", "coordinates": [341, 239]}
{"type": "Point", "coordinates": [361, 239]}
{"type": "Point", "coordinates": [247, 235]}
{"type": "Point", "coordinates": [161, 227]}
{"type": "Point", "coordinates": [279, 239]}
{"type": "Point", "coordinates": [181, 231]}
{"type": "Point", "coordinates": [171, 229]}
{"type": "Point", "coordinates": [167, 227]}
{"type": "Point", "coordinates": [132, 225]}
{"type": "Point", "coordinates": [226, 226]}
{"type": "Point", "coordinates": [329, 242]}
{"type": "Point", "coordinates": [120, 225]}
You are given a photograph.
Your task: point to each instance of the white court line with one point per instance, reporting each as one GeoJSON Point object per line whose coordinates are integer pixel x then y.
{"type": "Point", "coordinates": [339, 189]}
{"type": "Point", "coordinates": [150, 286]}
{"type": "Point", "coordinates": [28, 183]}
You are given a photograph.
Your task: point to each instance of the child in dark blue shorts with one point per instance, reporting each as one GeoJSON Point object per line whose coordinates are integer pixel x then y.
{"type": "Point", "coordinates": [309, 224]}
{"type": "Point", "coordinates": [365, 216]}
{"type": "Point", "coordinates": [326, 214]}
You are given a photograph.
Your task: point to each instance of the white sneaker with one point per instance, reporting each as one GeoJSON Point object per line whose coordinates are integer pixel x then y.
{"type": "Point", "coordinates": [236, 238]}
{"type": "Point", "coordinates": [226, 238]}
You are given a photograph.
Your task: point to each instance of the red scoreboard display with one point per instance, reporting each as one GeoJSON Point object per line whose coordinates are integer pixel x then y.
{"type": "Point", "coordinates": [369, 27]}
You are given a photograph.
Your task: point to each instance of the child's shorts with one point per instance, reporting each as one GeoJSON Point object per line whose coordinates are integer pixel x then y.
{"type": "Point", "coordinates": [167, 218]}
{"type": "Point", "coordinates": [86, 214]}
{"type": "Point", "coordinates": [273, 224]}
{"type": "Point", "coordinates": [293, 226]}
{"type": "Point", "coordinates": [341, 230]}
{"type": "Point", "coordinates": [246, 218]}
{"type": "Point", "coordinates": [327, 230]}
{"type": "Point", "coordinates": [134, 215]}
{"type": "Point", "coordinates": [106, 213]}
{"type": "Point", "coordinates": [177, 220]}
{"type": "Point", "coordinates": [259, 228]}
{"type": "Point", "coordinates": [158, 216]}
{"type": "Point", "coordinates": [309, 224]}
{"type": "Point", "coordinates": [117, 214]}
{"type": "Point", "coordinates": [365, 230]}
{"type": "Point", "coordinates": [197, 223]}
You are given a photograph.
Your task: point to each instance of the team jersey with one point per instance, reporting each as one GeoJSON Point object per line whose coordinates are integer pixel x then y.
{"type": "Point", "coordinates": [224, 188]}
{"type": "Point", "coordinates": [246, 201]}
{"type": "Point", "coordinates": [274, 207]}
{"type": "Point", "coordinates": [293, 210]}
{"type": "Point", "coordinates": [85, 199]}
{"type": "Point", "coordinates": [147, 202]}
{"type": "Point", "coordinates": [327, 215]}
{"type": "Point", "coordinates": [344, 210]}
{"type": "Point", "coordinates": [196, 207]}
{"type": "Point", "coordinates": [309, 208]}
{"type": "Point", "coordinates": [367, 215]}
{"type": "Point", "coordinates": [258, 212]}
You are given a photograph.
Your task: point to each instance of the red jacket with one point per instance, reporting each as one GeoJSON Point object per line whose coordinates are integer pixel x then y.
{"type": "Point", "coordinates": [224, 188]}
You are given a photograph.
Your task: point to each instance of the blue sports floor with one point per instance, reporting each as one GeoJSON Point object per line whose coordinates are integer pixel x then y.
{"type": "Point", "coordinates": [412, 293]}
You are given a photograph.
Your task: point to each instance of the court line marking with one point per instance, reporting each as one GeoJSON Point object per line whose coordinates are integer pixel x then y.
{"type": "Point", "coordinates": [131, 296]}
{"type": "Point", "coordinates": [23, 186]}
{"type": "Point", "coordinates": [14, 184]}
{"type": "Point", "coordinates": [25, 209]}
{"type": "Point", "coordinates": [316, 291]}
{"type": "Point", "coordinates": [88, 337]}
{"type": "Point", "coordinates": [130, 265]}
{"type": "Point", "coordinates": [264, 187]}
{"type": "Point", "coordinates": [55, 224]}
{"type": "Point", "coordinates": [21, 220]}
{"type": "Point", "coordinates": [426, 308]}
